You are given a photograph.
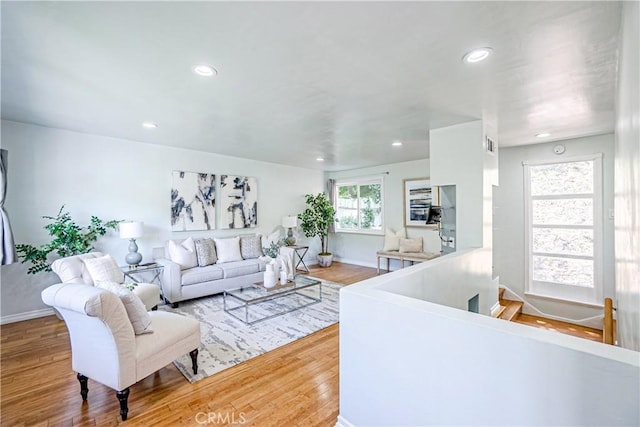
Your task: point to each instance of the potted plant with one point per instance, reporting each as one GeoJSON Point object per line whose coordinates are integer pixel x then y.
{"type": "Point", "coordinates": [67, 238]}
{"type": "Point", "coordinates": [315, 221]}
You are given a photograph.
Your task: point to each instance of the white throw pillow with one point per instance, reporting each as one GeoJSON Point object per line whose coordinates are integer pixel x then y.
{"type": "Point", "coordinates": [271, 238]}
{"type": "Point", "coordinates": [104, 269]}
{"type": "Point", "coordinates": [411, 245]}
{"type": "Point", "coordinates": [184, 253]}
{"type": "Point", "coordinates": [136, 311]}
{"type": "Point", "coordinates": [392, 240]}
{"type": "Point", "coordinates": [228, 250]}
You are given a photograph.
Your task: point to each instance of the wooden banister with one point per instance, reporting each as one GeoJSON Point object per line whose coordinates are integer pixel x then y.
{"type": "Point", "coordinates": [608, 333]}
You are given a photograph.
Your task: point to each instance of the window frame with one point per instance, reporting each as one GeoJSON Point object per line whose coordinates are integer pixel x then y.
{"type": "Point", "coordinates": [565, 292]}
{"type": "Point", "coordinates": [358, 181]}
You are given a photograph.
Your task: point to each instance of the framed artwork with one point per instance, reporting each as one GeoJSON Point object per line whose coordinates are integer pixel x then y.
{"type": "Point", "coordinates": [193, 201]}
{"type": "Point", "coordinates": [239, 201]}
{"type": "Point", "coordinates": [418, 199]}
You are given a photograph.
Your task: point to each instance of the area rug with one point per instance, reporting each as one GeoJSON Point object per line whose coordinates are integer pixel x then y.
{"type": "Point", "coordinates": [227, 341]}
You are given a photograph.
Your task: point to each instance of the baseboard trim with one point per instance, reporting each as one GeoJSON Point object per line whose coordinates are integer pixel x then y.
{"type": "Point", "coordinates": [356, 262]}
{"type": "Point", "coordinates": [343, 422]}
{"type": "Point", "coordinates": [19, 317]}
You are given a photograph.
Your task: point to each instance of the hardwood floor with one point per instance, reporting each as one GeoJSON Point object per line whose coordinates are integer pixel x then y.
{"type": "Point", "coordinates": [294, 385]}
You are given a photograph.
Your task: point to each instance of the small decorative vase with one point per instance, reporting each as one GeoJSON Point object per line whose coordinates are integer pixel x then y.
{"type": "Point", "coordinates": [283, 277]}
{"type": "Point", "coordinates": [269, 279]}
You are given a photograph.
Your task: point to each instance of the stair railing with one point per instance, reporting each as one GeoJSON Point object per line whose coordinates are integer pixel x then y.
{"type": "Point", "coordinates": [608, 333]}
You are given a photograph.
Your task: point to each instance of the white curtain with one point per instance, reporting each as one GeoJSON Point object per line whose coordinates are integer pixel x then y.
{"type": "Point", "coordinates": [8, 255]}
{"type": "Point", "coordinates": [331, 195]}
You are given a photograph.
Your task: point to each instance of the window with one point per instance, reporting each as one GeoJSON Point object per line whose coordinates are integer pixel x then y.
{"type": "Point", "coordinates": [359, 205]}
{"type": "Point", "coordinates": [563, 215]}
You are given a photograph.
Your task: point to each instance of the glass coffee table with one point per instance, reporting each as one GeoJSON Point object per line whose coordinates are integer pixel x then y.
{"type": "Point", "coordinates": [255, 303]}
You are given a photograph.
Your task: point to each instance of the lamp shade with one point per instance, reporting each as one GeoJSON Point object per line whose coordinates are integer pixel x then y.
{"type": "Point", "coordinates": [289, 221]}
{"type": "Point", "coordinates": [130, 229]}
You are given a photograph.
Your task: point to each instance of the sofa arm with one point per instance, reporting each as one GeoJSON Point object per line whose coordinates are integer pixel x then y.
{"type": "Point", "coordinates": [171, 280]}
{"type": "Point", "coordinates": [80, 298]}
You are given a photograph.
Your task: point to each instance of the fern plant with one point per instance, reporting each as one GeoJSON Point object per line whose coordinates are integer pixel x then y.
{"type": "Point", "coordinates": [68, 238]}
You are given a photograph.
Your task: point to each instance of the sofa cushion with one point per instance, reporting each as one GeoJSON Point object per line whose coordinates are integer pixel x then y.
{"type": "Point", "coordinates": [197, 275]}
{"type": "Point", "coordinates": [184, 253]}
{"type": "Point", "coordinates": [250, 247]}
{"type": "Point", "coordinates": [228, 250]}
{"type": "Point", "coordinates": [206, 252]}
{"type": "Point", "coordinates": [240, 268]}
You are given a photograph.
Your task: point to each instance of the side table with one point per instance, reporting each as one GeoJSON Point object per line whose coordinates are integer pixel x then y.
{"type": "Point", "coordinates": [141, 274]}
{"type": "Point", "coordinates": [300, 252]}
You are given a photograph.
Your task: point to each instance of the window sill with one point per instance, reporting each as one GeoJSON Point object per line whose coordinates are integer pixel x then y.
{"type": "Point", "coordinates": [366, 233]}
{"type": "Point", "coordinates": [565, 300]}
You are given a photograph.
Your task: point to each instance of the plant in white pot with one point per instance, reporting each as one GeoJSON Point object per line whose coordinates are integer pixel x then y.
{"type": "Point", "coordinates": [315, 221]}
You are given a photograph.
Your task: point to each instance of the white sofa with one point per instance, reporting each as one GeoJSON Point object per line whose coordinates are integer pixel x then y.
{"type": "Point", "coordinates": [180, 283]}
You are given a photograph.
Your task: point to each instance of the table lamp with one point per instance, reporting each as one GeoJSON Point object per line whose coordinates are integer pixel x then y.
{"type": "Point", "coordinates": [290, 221]}
{"type": "Point", "coordinates": [131, 230]}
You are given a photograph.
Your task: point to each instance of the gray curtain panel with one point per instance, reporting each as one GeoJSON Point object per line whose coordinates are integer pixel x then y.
{"type": "Point", "coordinates": [331, 194]}
{"type": "Point", "coordinates": [8, 255]}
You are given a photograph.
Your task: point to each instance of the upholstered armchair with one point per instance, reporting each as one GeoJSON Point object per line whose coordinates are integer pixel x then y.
{"type": "Point", "coordinates": [104, 346]}
{"type": "Point", "coordinates": [73, 269]}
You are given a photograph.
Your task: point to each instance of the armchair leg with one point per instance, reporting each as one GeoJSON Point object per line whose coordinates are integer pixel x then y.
{"type": "Point", "coordinates": [84, 389]}
{"type": "Point", "coordinates": [194, 360]}
{"type": "Point", "coordinates": [122, 398]}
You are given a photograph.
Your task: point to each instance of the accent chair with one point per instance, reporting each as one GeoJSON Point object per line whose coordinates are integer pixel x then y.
{"type": "Point", "coordinates": [104, 346]}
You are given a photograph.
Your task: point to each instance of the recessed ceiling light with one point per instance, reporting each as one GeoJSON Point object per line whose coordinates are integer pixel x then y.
{"type": "Point", "coordinates": [397, 143]}
{"type": "Point", "coordinates": [149, 125]}
{"type": "Point", "coordinates": [319, 159]}
{"type": "Point", "coordinates": [477, 55]}
{"type": "Point", "coordinates": [543, 135]}
{"type": "Point", "coordinates": [205, 70]}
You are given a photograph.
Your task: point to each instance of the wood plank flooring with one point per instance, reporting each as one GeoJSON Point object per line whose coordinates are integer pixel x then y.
{"type": "Point", "coordinates": [294, 385]}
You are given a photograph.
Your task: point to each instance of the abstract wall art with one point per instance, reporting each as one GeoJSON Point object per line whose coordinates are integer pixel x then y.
{"type": "Point", "coordinates": [239, 201]}
{"type": "Point", "coordinates": [193, 201]}
{"type": "Point", "coordinates": [419, 197]}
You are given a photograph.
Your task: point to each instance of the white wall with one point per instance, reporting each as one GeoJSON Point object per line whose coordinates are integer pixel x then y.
{"type": "Point", "coordinates": [509, 245]}
{"type": "Point", "coordinates": [627, 180]}
{"type": "Point", "coordinates": [407, 361]}
{"type": "Point", "coordinates": [458, 158]}
{"type": "Point", "coordinates": [119, 179]}
{"type": "Point", "coordinates": [361, 249]}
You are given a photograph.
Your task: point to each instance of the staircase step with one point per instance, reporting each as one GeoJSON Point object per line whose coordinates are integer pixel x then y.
{"type": "Point", "coordinates": [512, 310]}
{"type": "Point", "coordinates": [501, 294]}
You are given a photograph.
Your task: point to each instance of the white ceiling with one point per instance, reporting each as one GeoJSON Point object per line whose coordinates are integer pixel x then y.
{"type": "Point", "coordinates": [300, 80]}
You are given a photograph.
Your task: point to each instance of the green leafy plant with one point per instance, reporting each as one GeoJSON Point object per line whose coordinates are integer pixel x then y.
{"type": "Point", "coordinates": [274, 248]}
{"type": "Point", "coordinates": [68, 238]}
{"type": "Point", "coordinates": [316, 219]}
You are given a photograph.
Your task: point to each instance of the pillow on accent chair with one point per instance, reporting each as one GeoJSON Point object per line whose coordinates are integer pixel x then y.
{"type": "Point", "coordinates": [104, 269]}
{"type": "Point", "coordinates": [228, 250]}
{"type": "Point", "coordinates": [392, 240]}
{"type": "Point", "coordinates": [206, 252]}
{"type": "Point", "coordinates": [184, 253]}
{"type": "Point", "coordinates": [411, 245]}
{"type": "Point", "coordinates": [136, 311]}
{"type": "Point", "coordinates": [250, 247]}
